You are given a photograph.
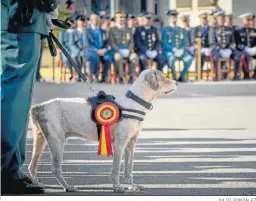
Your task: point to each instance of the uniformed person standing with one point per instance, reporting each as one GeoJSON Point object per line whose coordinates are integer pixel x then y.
{"type": "Point", "coordinates": [71, 6]}
{"type": "Point", "coordinates": [131, 23]}
{"type": "Point", "coordinates": [246, 42]}
{"type": "Point", "coordinates": [223, 43]}
{"type": "Point", "coordinates": [20, 52]}
{"type": "Point", "coordinates": [147, 44]}
{"type": "Point", "coordinates": [202, 32]}
{"type": "Point", "coordinates": [79, 35]}
{"type": "Point", "coordinates": [229, 21]}
{"type": "Point", "coordinates": [71, 42]}
{"type": "Point", "coordinates": [122, 42]}
{"type": "Point", "coordinates": [174, 43]}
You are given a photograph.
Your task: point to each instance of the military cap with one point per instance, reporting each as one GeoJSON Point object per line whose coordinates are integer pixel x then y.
{"type": "Point", "coordinates": [172, 13]}
{"type": "Point", "coordinates": [185, 17]}
{"type": "Point", "coordinates": [81, 18]}
{"type": "Point", "coordinates": [216, 10]}
{"type": "Point", "coordinates": [70, 20]}
{"type": "Point", "coordinates": [247, 15]}
{"type": "Point", "coordinates": [130, 16]}
{"type": "Point", "coordinates": [148, 15]}
{"type": "Point", "coordinates": [121, 12]}
{"type": "Point", "coordinates": [229, 15]}
{"type": "Point", "coordinates": [219, 13]}
{"type": "Point", "coordinates": [141, 15]}
{"type": "Point", "coordinates": [70, 2]}
{"type": "Point", "coordinates": [203, 15]}
{"type": "Point", "coordinates": [105, 17]}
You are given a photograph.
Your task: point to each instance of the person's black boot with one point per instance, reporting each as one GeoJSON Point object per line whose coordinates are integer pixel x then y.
{"type": "Point", "coordinates": [181, 80]}
{"type": "Point", "coordinates": [236, 77]}
{"type": "Point", "coordinates": [12, 187]}
{"type": "Point", "coordinates": [254, 76]}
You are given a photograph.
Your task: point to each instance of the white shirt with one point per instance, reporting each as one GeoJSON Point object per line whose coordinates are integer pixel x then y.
{"type": "Point", "coordinates": [94, 27]}
{"type": "Point", "coordinates": [172, 25]}
{"type": "Point", "coordinates": [70, 30]}
{"type": "Point", "coordinates": [80, 29]}
{"type": "Point", "coordinates": [120, 26]}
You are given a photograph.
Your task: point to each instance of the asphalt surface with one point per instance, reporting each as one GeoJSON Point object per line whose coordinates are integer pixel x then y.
{"type": "Point", "coordinates": [45, 91]}
{"type": "Point", "coordinates": [199, 140]}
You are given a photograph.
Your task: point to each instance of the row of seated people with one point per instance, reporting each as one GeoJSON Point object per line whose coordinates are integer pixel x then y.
{"type": "Point", "coordinates": [143, 47]}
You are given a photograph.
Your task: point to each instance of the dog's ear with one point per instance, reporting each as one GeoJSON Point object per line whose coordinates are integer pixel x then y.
{"type": "Point", "coordinates": [151, 79]}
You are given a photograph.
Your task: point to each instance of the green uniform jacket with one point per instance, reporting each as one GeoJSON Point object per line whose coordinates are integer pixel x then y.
{"type": "Point", "coordinates": [39, 19]}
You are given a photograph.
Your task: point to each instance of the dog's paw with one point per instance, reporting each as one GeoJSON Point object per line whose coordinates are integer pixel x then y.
{"type": "Point", "coordinates": [127, 180]}
{"type": "Point", "coordinates": [119, 189]}
{"type": "Point", "coordinates": [40, 184]}
{"type": "Point", "coordinates": [71, 189]}
{"type": "Point", "coordinates": [135, 188]}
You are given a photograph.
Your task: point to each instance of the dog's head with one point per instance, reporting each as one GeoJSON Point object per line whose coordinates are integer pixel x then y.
{"type": "Point", "coordinates": [156, 83]}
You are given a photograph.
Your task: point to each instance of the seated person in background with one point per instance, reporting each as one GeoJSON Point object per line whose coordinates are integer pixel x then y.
{"type": "Point", "coordinates": [122, 42]}
{"type": "Point", "coordinates": [246, 42]}
{"type": "Point", "coordinates": [229, 21]}
{"type": "Point", "coordinates": [70, 42]}
{"type": "Point", "coordinates": [174, 43]}
{"type": "Point", "coordinates": [148, 45]}
{"type": "Point", "coordinates": [223, 43]}
{"type": "Point", "coordinates": [131, 23]}
{"type": "Point", "coordinates": [97, 48]}
{"type": "Point", "coordinates": [202, 32]}
{"type": "Point", "coordinates": [186, 25]}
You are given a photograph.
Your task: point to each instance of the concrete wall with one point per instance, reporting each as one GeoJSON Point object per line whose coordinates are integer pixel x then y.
{"type": "Point", "coordinates": [195, 10]}
{"type": "Point", "coordinates": [163, 5]}
{"type": "Point", "coordinates": [243, 6]}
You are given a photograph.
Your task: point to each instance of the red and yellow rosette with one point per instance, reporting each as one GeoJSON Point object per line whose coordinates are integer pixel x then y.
{"type": "Point", "coordinates": [106, 114]}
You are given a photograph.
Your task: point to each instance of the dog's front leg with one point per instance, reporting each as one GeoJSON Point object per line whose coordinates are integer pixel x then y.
{"type": "Point", "coordinates": [128, 172]}
{"type": "Point", "coordinates": [119, 146]}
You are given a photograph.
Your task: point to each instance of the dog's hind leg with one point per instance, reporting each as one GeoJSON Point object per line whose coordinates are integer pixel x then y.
{"type": "Point", "coordinates": [38, 147]}
{"type": "Point", "coordinates": [56, 140]}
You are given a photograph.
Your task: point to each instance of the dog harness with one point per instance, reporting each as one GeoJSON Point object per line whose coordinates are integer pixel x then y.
{"type": "Point", "coordinates": [105, 111]}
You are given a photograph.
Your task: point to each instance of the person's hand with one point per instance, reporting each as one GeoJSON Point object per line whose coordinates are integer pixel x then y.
{"type": "Point", "coordinates": [124, 53]}
{"type": "Point", "coordinates": [154, 54]}
{"type": "Point", "coordinates": [175, 50]}
{"type": "Point", "coordinates": [181, 52]}
{"type": "Point", "coordinates": [49, 16]}
{"type": "Point", "coordinates": [148, 54]}
{"type": "Point", "coordinates": [101, 52]}
{"type": "Point", "coordinates": [178, 53]}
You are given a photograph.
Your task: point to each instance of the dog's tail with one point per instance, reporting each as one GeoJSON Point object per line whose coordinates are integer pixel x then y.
{"type": "Point", "coordinates": [36, 113]}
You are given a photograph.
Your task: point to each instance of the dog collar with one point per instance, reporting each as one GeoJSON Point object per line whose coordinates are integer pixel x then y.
{"type": "Point", "coordinates": [131, 95]}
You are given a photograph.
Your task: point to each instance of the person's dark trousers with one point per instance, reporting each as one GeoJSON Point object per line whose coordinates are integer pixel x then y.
{"type": "Point", "coordinates": [236, 56]}
{"type": "Point", "coordinates": [18, 72]}
{"type": "Point", "coordinates": [79, 62]}
{"type": "Point", "coordinates": [202, 64]}
{"type": "Point", "coordinates": [245, 65]}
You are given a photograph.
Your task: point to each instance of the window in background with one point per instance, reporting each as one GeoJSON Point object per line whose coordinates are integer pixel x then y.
{"type": "Point", "coordinates": [184, 3]}
{"type": "Point", "coordinates": [204, 3]}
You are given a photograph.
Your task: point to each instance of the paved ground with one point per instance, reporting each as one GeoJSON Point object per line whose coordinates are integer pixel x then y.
{"type": "Point", "coordinates": [198, 141]}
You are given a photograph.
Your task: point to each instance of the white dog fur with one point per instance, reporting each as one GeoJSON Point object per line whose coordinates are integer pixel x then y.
{"type": "Point", "coordinates": [56, 120]}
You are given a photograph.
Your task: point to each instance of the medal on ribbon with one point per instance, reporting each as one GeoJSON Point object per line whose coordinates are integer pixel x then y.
{"type": "Point", "coordinates": [106, 114]}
